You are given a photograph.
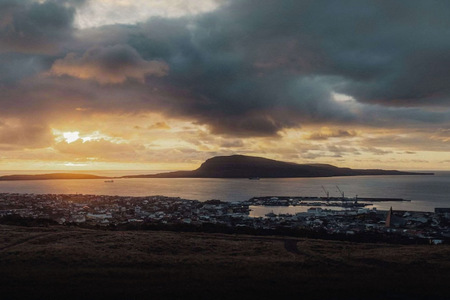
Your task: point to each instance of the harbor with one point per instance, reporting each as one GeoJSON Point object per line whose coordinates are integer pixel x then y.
{"type": "Point", "coordinates": [125, 213]}
{"type": "Point", "coordinates": [319, 201]}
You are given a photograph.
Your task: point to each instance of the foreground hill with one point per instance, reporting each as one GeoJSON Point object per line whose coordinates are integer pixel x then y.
{"type": "Point", "coordinates": [71, 263]}
{"type": "Point", "coordinates": [240, 166]}
{"type": "Point", "coordinates": [51, 176]}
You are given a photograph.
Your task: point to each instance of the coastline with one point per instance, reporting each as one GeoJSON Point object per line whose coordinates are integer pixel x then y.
{"type": "Point", "coordinates": [356, 223]}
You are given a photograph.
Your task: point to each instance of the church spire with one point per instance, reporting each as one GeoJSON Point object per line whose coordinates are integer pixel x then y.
{"type": "Point", "coordinates": [388, 218]}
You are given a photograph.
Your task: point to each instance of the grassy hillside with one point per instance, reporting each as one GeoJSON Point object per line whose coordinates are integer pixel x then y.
{"type": "Point", "coordinates": [60, 262]}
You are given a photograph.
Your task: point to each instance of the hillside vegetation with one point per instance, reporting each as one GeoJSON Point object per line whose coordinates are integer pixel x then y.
{"type": "Point", "coordinates": [72, 263]}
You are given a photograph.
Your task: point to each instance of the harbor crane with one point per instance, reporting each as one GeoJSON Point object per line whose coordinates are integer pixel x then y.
{"type": "Point", "coordinates": [342, 193]}
{"type": "Point", "coordinates": [327, 193]}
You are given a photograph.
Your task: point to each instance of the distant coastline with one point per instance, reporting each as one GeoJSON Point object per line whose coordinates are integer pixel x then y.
{"type": "Point", "coordinates": [51, 176]}
{"type": "Point", "coordinates": [234, 166]}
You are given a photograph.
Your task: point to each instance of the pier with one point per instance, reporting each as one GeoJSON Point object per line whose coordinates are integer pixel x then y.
{"type": "Point", "coordinates": [318, 201]}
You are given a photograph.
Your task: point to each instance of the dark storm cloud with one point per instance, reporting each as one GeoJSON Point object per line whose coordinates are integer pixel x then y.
{"type": "Point", "coordinates": [250, 68]}
{"type": "Point", "coordinates": [114, 64]}
{"type": "Point", "coordinates": [256, 69]}
{"type": "Point", "coordinates": [30, 27]}
{"type": "Point", "coordinates": [30, 34]}
{"type": "Point", "coordinates": [15, 66]}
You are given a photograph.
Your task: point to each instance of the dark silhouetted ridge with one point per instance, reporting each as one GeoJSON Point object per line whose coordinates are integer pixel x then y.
{"type": "Point", "coordinates": [51, 176]}
{"type": "Point", "coordinates": [241, 166]}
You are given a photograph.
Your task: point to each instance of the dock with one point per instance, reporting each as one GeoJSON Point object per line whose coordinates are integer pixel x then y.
{"type": "Point", "coordinates": [318, 201]}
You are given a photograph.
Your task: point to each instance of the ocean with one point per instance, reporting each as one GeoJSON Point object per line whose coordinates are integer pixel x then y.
{"type": "Point", "coordinates": [425, 192]}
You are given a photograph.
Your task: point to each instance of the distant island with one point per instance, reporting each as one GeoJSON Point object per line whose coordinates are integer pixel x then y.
{"type": "Point", "coordinates": [51, 176]}
{"type": "Point", "coordinates": [241, 166]}
{"type": "Point", "coordinates": [234, 166]}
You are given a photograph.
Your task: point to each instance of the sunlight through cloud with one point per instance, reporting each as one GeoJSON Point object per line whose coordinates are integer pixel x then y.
{"type": "Point", "coordinates": [106, 12]}
{"type": "Point", "coordinates": [71, 137]}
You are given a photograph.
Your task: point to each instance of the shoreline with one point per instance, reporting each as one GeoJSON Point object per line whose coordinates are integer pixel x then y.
{"type": "Point", "coordinates": [178, 214]}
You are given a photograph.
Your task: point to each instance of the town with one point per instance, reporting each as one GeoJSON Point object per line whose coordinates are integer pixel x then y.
{"type": "Point", "coordinates": [101, 211]}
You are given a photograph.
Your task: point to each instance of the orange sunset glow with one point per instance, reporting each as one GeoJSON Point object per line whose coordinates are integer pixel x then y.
{"type": "Point", "coordinates": [164, 85]}
{"type": "Point", "coordinates": [224, 149]}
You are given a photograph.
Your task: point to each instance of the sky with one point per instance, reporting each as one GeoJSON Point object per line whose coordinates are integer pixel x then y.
{"type": "Point", "coordinates": [167, 84]}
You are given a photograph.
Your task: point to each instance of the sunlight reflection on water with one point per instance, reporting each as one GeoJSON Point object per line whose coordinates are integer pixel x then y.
{"type": "Point", "coordinates": [426, 192]}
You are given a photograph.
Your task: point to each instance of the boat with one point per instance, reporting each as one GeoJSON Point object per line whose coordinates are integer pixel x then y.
{"type": "Point", "coordinates": [109, 180]}
{"type": "Point", "coordinates": [253, 178]}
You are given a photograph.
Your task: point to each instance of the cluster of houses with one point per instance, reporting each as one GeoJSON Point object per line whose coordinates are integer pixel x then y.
{"type": "Point", "coordinates": [425, 225]}
{"type": "Point", "coordinates": [116, 210]}
{"type": "Point", "coordinates": [113, 210]}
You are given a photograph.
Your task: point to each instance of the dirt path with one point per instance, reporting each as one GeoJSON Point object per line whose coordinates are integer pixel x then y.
{"type": "Point", "coordinates": [25, 240]}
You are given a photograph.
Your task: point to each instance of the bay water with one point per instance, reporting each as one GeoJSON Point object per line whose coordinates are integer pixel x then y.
{"type": "Point", "coordinates": [425, 191]}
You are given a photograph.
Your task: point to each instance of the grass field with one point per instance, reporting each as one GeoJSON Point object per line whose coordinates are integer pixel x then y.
{"type": "Point", "coordinates": [71, 263]}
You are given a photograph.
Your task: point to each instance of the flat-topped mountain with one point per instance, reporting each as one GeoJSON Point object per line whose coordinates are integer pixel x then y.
{"type": "Point", "coordinates": [234, 166]}
{"type": "Point", "coordinates": [241, 166]}
{"type": "Point", "coordinates": [51, 176]}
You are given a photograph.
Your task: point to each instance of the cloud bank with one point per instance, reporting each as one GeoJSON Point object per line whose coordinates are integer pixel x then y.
{"type": "Point", "coordinates": [113, 64]}
{"type": "Point", "coordinates": [238, 69]}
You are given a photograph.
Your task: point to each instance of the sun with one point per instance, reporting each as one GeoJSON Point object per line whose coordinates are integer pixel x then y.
{"type": "Point", "coordinates": [71, 136]}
